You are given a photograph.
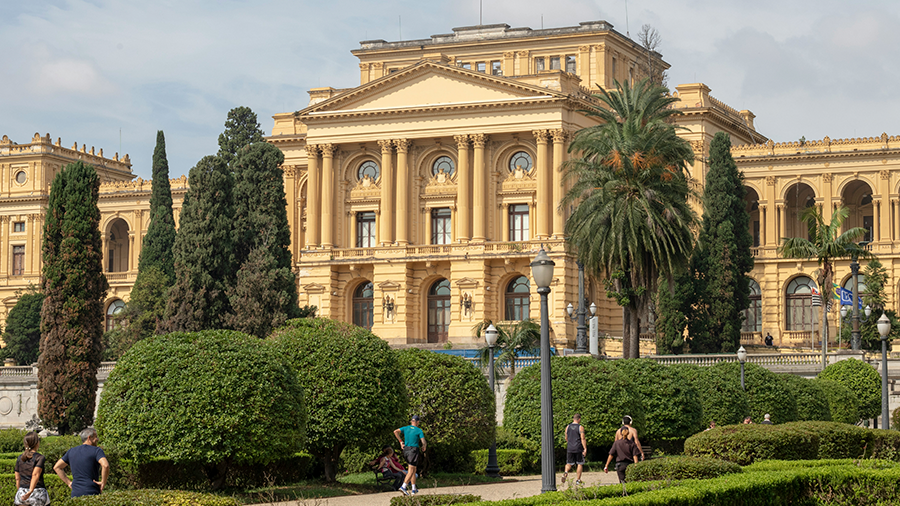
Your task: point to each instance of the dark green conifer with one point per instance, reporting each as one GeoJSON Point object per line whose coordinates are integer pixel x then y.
{"type": "Point", "coordinates": [157, 246]}
{"type": "Point", "coordinates": [241, 130]}
{"type": "Point", "coordinates": [72, 314]}
{"type": "Point", "coordinates": [203, 254]}
{"type": "Point", "coordinates": [23, 329]}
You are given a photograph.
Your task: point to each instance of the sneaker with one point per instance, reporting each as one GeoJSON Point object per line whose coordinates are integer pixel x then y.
{"type": "Point", "coordinates": [414, 491]}
{"type": "Point", "coordinates": [579, 482]}
{"type": "Point", "coordinates": [403, 490]}
{"type": "Point", "coordinates": [565, 475]}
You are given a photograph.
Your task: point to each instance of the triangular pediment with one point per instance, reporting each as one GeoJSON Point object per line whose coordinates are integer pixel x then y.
{"type": "Point", "coordinates": [429, 84]}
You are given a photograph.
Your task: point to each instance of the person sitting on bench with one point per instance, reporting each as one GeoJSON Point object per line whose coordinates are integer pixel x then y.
{"type": "Point", "coordinates": [390, 466]}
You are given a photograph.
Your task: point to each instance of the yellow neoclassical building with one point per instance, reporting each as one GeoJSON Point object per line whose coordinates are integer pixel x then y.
{"type": "Point", "coordinates": [418, 198]}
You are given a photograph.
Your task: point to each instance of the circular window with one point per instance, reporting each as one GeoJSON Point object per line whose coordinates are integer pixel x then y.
{"type": "Point", "coordinates": [21, 177]}
{"type": "Point", "coordinates": [369, 169]}
{"type": "Point", "coordinates": [443, 163]}
{"type": "Point", "coordinates": [520, 159]}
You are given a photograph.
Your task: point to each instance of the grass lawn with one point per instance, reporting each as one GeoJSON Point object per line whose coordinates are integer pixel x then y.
{"type": "Point", "coordinates": [351, 484]}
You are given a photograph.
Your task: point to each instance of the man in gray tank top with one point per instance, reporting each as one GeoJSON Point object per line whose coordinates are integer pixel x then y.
{"type": "Point", "coordinates": [576, 448]}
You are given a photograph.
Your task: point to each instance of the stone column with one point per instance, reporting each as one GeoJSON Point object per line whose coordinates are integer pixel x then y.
{"type": "Point", "coordinates": [509, 63]}
{"type": "Point", "coordinates": [782, 220]}
{"type": "Point", "coordinates": [772, 215]}
{"type": "Point", "coordinates": [479, 190]}
{"type": "Point", "coordinates": [6, 254]}
{"type": "Point", "coordinates": [132, 259]}
{"type": "Point", "coordinates": [39, 241]}
{"type": "Point", "coordinates": [312, 197]}
{"type": "Point", "coordinates": [363, 73]}
{"type": "Point", "coordinates": [598, 76]}
{"type": "Point", "coordinates": [884, 226]}
{"type": "Point", "coordinates": [387, 194]}
{"type": "Point", "coordinates": [762, 226]}
{"type": "Point", "coordinates": [504, 221]}
{"type": "Point", "coordinates": [290, 194]}
{"type": "Point", "coordinates": [584, 67]}
{"type": "Point", "coordinates": [544, 187]}
{"type": "Point", "coordinates": [828, 194]}
{"type": "Point", "coordinates": [426, 218]}
{"type": "Point", "coordinates": [402, 191]}
{"type": "Point", "coordinates": [31, 248]}
{"type": "Point", "coordinates": [329, 201]}
{"type": "Point", "coordinates": [104, 238]}
{"type": "Point", "coordinates": [463, 188]}
{"type": "Point", "coordinates": [522, 66]}
{"type": "Point", "coordinates": [139, 229]}
{"type": "Point", "coordinates": [559, 152]}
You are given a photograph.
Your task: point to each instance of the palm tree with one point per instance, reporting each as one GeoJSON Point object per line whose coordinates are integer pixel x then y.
{"type": "Point", "coordinates": [631, 222]}
{"type": "Point", "coordinates": [826, 244]}
{"type": "Point", "coordinates": [514, 339]}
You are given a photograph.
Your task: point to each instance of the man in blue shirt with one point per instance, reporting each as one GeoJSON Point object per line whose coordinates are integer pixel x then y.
{"type": "Point", "coordinates": [88, 463]}
{"type": "Point", "coordinates": [412, 435]}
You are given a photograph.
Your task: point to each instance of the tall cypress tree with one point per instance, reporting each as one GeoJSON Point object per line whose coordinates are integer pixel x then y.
{"type": "Point", "coordinates": [72, 314]}
{"type": "Point", "coordinates": [157, 246]}
{"type": "Point", "coordinates": [722, 259]}
{"type": "Point", "coordinates": [265, 293]}
{"type": "Point", "coordinates": [241, 130]}
{"type": "Point", "coordinates": [203, 253]}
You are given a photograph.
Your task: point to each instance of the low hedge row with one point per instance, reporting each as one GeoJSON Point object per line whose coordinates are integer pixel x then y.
{"type": "Point", "coordinates": [57, 490]}
{"type": "Point", "coordinates": [434, 500]}
{"type": "Point", "coordinates": [149, 497]}
{"type": "Point", "coordinates": [680, 468]}
{"type": "Point", "coordinates": [511, 462]}
{"type": "Point", "coordinates": [745, 444]}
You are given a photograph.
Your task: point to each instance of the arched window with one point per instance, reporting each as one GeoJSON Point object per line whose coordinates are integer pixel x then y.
{"type": "Point", "coordinates": [368, 168]}
{"type": "Point", "coordinates": [520, 159]}
{"type": "Point", "coordinates": [517, 299]}
{"type": "Point", "coordinates": [439, 312]}
{"type": "Point", "coordinates": [863, 289]}
{"type": "Point", "coordinates": [753, 314]}
{"type": "Point", "coordinates": [363, 305]}
{"type": "Point", "coordinates": [112, 312]}
{"type": "Point", "coordinates": [444, 163]}
{"type": "Point", "coordinates": [799, 304]}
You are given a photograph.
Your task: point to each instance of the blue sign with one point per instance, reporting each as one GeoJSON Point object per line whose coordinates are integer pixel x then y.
{"type": "Point", "coordinates": [847, 297]}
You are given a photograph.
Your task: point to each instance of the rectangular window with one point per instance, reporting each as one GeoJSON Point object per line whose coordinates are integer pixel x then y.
{"type": "Point", "coordinates": [756, 234]}
{"type": "Point", "coordinates": [365, 230]}
{"type": "Point", "coordinates": [440, 225]}
{"type": "Point", "coordinates": [19, 226]}
{"type": "Point", "coordinates": [867, 224]}
{"type": "Point", "coordinates": [466, 65]}
{"type": "Point", "coordinates": [570, 64]}
{"type": "Point", "coordinates": [518, 222]}
{"type": "Point", "coordinates": [391, 71]}
{"type": "Point", "coordinates": [18, 260]}
{"type": "Point", "coordinates": [554, 63]}
{"type": "Point", "coordinates": [112, 261]}
{"type": "Point", "coordinates": [538, 64]}
{"type": "Point", "coordinates": [495, 68]}
{"type": "Point", "coordinates": [480, 66]}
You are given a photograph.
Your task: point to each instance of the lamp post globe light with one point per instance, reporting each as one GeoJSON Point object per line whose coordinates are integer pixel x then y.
{"type": "Point", "coordinates": [581, 338]}
{"type": "Point", "coordinates": [854, 329]}
{"type": "Point", "coordinates": [742, 357]}
{"type": "Point", "coordinates": [542, 272]}
{"type": "Point", "coordinates": [884, 328]}
{"type": "Point", "coordinates": [490, 336]}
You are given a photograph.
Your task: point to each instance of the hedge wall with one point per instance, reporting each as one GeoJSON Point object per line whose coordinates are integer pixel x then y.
{"type": "Point", "coordinates": [720, 393]}
{"type": "Point", "coordinates": [766, 393]}
{"type": "Point", "coordinates": [862, 379]}
{"type": "Point", "coordinates": [680, 468]}
{"type": "Point", "coordinates": [842, 402]}
{"type": "Point", "coordinates": [810, 398]}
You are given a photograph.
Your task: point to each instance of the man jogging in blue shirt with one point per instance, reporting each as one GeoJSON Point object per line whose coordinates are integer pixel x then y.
{"type": "Point", "coordinates": [412, 435]}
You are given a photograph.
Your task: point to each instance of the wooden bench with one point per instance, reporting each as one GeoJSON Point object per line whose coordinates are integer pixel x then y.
{"type": "Point", "coordinates": [647, 450]}
{"type": "Point", "coordinates": [385, 482]}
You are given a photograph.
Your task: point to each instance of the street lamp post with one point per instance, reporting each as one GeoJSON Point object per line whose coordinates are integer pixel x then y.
{"type": "Point", "coordinates": [855, 319]}
{"type": "Point", "coordinates": [542, 271]}
{"type": "Point", "coordinates": [581, 335]}
{"type": "Point", "coordinates": [854, 329]}
{"type": "Point", "coordinates": [490, 336]}
{"type": "Point", "coordinates": [884, 328]}
{"type": "Point", "coordinates": [742, 357]}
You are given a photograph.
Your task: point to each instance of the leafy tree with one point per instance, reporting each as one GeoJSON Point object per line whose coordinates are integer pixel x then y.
{"type": "Point", "coordinates": [156, 249]}
{"type": "Point", "coordinates": [766, 393]}
{"type": "Point", "coordinates": [72, 313]}
{"type": "Point", "coordinates": [455, 402]}
{"type": "Point", "coordinates": [214, 399]}
{"type": "Point", "coordinates": [597, 390]}
{"type": "Point", "coordinates": [23, 328]}
{"type": "Point", "coordinates": [720, 393]}
{"type": "Point", "coordinates": [513, 341]}
{"type": "Point", "coordinates": [673, 317]}
{"type": "Point", "coordinates": [862, 379]}
{"type": "Point", "coordinates": [842, 402]}
{"type": "Point", "coordinates": [355, 394]}
{"type": "Point", "coordinates": [241, 129]}
{"type": "Point", "coordinates": [203, 251]}
{"type": "Point", "coordinates": [631, 221]}
{"type": "Point", "coordinates": [876, 279]}
{"type": "Point", "coordinates": [651, 66]}
{"type": "Point", "coordinates": [812, 402]}
{"type": "Point", "coordinates": [722, 258]}
{"type": "Point", "coordinates": [827, 245]}
{"type": "Point", "coordinates": [261, 239]}
{"type": "Point", "coordinates": [144, 312]}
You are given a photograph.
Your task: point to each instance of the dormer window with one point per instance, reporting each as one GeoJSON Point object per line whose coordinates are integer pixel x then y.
{"type": "Point", "coordinates": [495, 68]}
{"type": "Point", "coordinates": [481, 66]}
{"type": "Point", "coordinates": [538, 64]}
{"type": "Point", "coordinates": [570, 64]}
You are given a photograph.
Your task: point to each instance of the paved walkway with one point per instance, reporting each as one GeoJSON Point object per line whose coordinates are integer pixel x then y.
{"type": "Point", "coordinates": [509, 488]}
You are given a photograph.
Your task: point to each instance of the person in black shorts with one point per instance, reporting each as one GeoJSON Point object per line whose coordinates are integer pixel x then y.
{"type": "Point", "coordinates": [576, 448]}
{"type": "Point", "coordinates": [412, 442]}
{"type": "Point", "coordinates": [625, 452]}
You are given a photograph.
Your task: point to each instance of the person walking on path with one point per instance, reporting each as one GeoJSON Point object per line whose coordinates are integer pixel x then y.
{"type": "Point", "coordinates": [766, 420]}
{"type": "Point", "coordinates": [30, 466]}
{"type": "Point", "coordinates": [410, 437]}
{"type": "Point", "coordinates": [632, 434]}
{"type": "Point", "coordinates": [88, 464]}
{"type": "Point", "coordinates": [576, 448]}
{"type": "Point", "coordinates": [625, 451]}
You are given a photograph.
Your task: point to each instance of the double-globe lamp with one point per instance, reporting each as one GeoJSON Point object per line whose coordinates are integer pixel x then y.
{"type": "Point", "coordinates": [490, 336]}
{"type": "Point", "coordinates": [884, 329]}
{"type": "Point", "coordinates": [542, 272]}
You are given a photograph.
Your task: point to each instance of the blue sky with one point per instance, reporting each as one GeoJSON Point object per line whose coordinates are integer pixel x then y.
{"type": "Point", "coordinates": [86, 70]}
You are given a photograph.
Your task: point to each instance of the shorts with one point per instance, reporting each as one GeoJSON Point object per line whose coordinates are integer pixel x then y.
{"type": "Point", "coordinates": [37, 498]}
{"type": "Point", "coordinates": [575, 458]}
{"type": "Point", "coordinates": [412, 454]}
{"type": "Point", "coordinates": [620, 469]}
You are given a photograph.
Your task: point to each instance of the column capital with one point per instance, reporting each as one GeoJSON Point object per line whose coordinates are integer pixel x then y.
{"type": "Point", "coordinates": [522, 53]}
{"type": "Point", "coordinates": [559, 136]}
{"type": "Point", "coordinates": [312, 150]}
{"type": "Point", "coordinates": [4, 219]}
{"type": "Point", "coordinates": [363, 66]}
{"type": "Point", "coordinates": [328, 150]}
{"type": "Point", "coordinates": [541, 136]}
{"type": "Point", "coordinates": [402, 145]}
{"type": "Point", "coordinates": [462, 141]}
{"type": "Point", "coordinates": [478, 140]}
{"type": "Point", "coordinates": [827, 177]}
{"type": "Point", "coordinates": [386, 146]}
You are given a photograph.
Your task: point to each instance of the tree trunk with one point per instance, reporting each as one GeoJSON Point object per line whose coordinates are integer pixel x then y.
{"type": "Point", "coordinates": [634, 350]}
{"type": "Point", "coordinates": [330, 458]}
{"type": "Point", "coordinates": [626, 331]}
{"type": "Point", "coordinates": [216, 473]}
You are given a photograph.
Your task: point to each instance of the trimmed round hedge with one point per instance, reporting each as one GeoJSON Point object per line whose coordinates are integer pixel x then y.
{"type": "Point", "coordinates": [719, 392]}
{"type": "Point", "coordinates": [455, 402]}
{"type": "Point", "coordinates": [766, 393]}
{"type": "Point", "coordinates": [212, 397]}
{"type": "Point", "coordinates": [811, 401]}
{"type": "Point", "coordinates": [842, 402]}
{"type": "Point", "coordinates": [744, 444]}
{"type": "Point", "coordinates": [596, 389]}
{"type": "Point", "coordinates": [862, 379]}
{"type": "Point", "coordinates": [671, 403]}
{"type": "Point", "coordinates": [680, 468]}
